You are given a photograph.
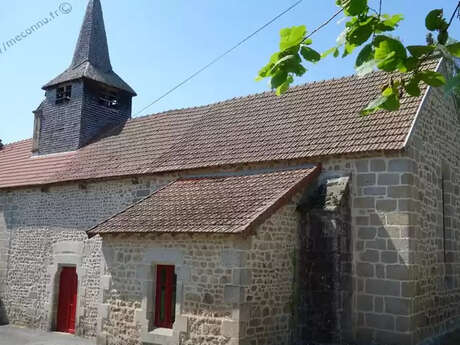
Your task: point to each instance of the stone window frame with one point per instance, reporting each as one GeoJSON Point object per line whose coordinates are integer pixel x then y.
{"type": "Point", "coordinates": [144, 316]}
{"type": "Point", "coordinates": [64, 254]}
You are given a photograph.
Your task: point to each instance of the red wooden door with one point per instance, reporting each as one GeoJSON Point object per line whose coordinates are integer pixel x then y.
{"type": "Point", "coordinates": [67, 300]}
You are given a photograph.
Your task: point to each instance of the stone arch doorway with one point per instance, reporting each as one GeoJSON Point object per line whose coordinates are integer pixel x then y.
{"type": "Point", "coordinates": [67, 300]}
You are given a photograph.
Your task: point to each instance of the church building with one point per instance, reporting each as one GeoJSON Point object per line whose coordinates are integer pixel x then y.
{"type": "Point", "coordinates": [260, 220]}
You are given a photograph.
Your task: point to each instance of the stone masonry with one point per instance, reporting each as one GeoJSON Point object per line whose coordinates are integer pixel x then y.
{"type": "Point", "coordinates": [381, 228]}
{"type": "Point", "coordinates": [32, 228]}
{"type": "Point", "coordinates": [404, 239]}
{"type": "Point", "coordinates": [231, 289]}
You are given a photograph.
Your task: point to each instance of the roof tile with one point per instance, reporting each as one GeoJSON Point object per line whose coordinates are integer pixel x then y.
{"type": "Point", "coordinates": [221, 204]}
{"type": "Point", "coordinates": [309, 121]}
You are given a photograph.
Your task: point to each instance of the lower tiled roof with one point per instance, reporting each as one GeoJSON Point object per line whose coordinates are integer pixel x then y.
{"type": "Point", "coordinates": [221, 204]}
{"type": "Point", "coordinates": [310, 121]}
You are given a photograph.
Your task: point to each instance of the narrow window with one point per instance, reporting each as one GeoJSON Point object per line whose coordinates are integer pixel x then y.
{"type": "Point", "coordinates": [165, 302]}
{"type": "Point", "coordinates": [63, 94]}
{"type": "Point", "coordinates": [109, 100]}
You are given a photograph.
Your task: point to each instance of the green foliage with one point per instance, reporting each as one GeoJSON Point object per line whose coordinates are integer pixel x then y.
{"type": "Point", "coordinates": [353, 7]}
{"type": "Point", "coordinates": [367, 29]}
{"type": "Point", "coordinates": [389, 54]}
{"type": "Point", "coordinates": [435, 21]}
{"type": "Point", "coordinates": [454, 49]}
{"type": "Point", "coordinates": [287, 62]}
{"type": "Point", "coordinates": [291, 37]}
{"type": "Point", "coordinates": [310, 54]}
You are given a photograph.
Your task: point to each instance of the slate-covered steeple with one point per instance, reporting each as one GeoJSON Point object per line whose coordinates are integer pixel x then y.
{"type": "Point", "coordinates": [92, 44]}
{"type": "Point", "coordinates": [85, 100]}
{"type": "Point", "coordinates": [91, 59]}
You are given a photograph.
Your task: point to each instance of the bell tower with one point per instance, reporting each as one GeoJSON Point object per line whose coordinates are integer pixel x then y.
{"type": "Point", "coordinates": [85, 100]}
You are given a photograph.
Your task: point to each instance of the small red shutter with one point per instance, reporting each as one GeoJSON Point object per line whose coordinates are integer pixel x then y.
{"type": "Point", "coordinates": [165, 302]}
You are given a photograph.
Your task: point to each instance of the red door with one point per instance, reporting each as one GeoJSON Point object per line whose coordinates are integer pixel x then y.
{"type": "Point", "coordinates": [67, 300]}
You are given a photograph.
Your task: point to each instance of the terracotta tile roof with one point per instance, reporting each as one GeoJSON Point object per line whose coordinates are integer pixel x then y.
{"type": "Point", "coordinates": [310, 121]}
{"type": "Point", "coordinates": [225, 204]}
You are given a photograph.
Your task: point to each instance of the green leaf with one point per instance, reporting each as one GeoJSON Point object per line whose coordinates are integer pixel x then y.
{"type": "Point", "coordinates": [284, 86]}
{"type": "Point", "coordinates": [278, 79]}
{"type": "Point", "coordinates": [454, 49]}
{"type": "Point", "coordinates": [360, 34]}
{"type": "Point", "coordinates": [349, 48]}
{"type": "Point", "coordinates": [334, 50]}
{"type": "Point", "coordinates": [435, 21]}
{"type": "Point", "coordinates": [264, 72]}
{"type": "Point", "coordinates": [365, 55]}
{"type": "Point", "coordinates": [355, 7]}
{"type": "Point", "coordinates": [408, 65]}
{"type": "Point", "coordinates": [432, 78]}
{"type": "Point", "coordinates": [389, 53]}
{"type": "Point", "coordinates": [419, 51]}
{"type": "Point", "coordinates": [374, 105]}
{"type": "Point", "coordinates": [267, 70]}
{"type": "Point", "coordinates": [412, 87]}
{"type": "Point", "coordinates": [392, 103]}
{"type": "Point", "coordinates": [388, 92]}
{"type": "Point", "coordinates": [285, 59]}
{"type": "Point", "coordinates": [291, 37]}
{"type": "Point", "coordinates": [328, 52]}
{"type": "Point", "coordinates": [443, 36]}
{"type": "Point", "coordinates": [310, 54]}
{"type": "Point", "coordinates": [389, 23]}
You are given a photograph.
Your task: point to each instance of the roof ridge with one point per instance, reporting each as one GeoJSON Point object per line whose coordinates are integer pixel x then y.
{"type": "Point", "coordinates": [252, 95]}
{"type": "Point", "coordinates": [270, 92]}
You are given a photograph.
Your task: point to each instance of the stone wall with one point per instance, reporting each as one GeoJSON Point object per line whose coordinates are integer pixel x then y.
{"type": "Point", "coordinates": [381, 228]}
{"type": "Point", "coordinates": [235, 289]}
{"type": "Point", "coordinates": [4, 245]}
{"type": "Point", "coordinates": [272, 262]}
{"type": "Point", "coordinates": [33, 220]}
{"type": "Point", "coordinates": [204, 274]}
{"type": "Point", "coordinates": [434, 205]}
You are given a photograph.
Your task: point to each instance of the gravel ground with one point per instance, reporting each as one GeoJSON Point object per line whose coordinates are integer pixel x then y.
{"type": "Point", "coordinates": [12, 335]}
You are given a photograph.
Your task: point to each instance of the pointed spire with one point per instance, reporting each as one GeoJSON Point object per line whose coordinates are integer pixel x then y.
{"type": "Point", "coordinates": [91, 59]}
{"type": "Point", "coordinates": [92, 44]}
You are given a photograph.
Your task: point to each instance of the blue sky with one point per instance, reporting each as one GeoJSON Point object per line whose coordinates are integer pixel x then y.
{"type": "Point", "coordinates": [154, 44]}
